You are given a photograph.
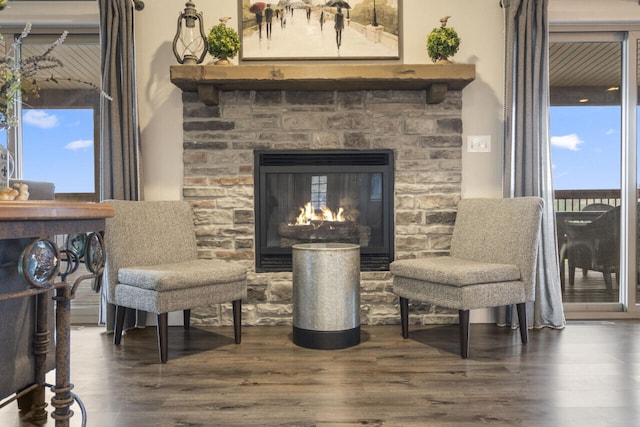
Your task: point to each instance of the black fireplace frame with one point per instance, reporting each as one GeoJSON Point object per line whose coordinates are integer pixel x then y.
{"type": "Point", "coordinates": [369, 161]}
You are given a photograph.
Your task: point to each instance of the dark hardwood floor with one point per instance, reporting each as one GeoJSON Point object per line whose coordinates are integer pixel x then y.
{"type": "Point", "coordinates": [585, 375]}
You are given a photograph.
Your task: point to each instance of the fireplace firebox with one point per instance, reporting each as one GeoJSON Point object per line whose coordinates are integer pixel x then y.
{"type": "Point", "coordinates": [323, 196]}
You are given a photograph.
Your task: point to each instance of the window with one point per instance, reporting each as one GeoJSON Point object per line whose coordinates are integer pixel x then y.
{"type": "Point", "coordinates": [319, 192]}
{"type": "Point", "coordinates": [57, 139]}
{"type": "Point", "coordinates": [593, 95]}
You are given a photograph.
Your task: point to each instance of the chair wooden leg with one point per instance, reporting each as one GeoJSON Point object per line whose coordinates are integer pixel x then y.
{"type": "Point", "coordinates": [572, 274]}
{"type": "Point", "coordinates": [237, 320]}
{"type": "Point", "coordinates": [117, 333]}
{"type": "Point", "coordinates": [522, 318]}
{"type": "Point", "coordinates": [404, 316]}
{"type": "Point", "coordinates": [606, 275]}
{"type": "Point", "coordinates": [465, 322]}
{"type": "Point", "coordinates": [163, 336]}
{"type": "Point", "coordinates": [186, 316]}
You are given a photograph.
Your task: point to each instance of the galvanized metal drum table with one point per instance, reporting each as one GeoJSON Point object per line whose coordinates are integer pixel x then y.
{"type": "Point", "coordinates": [326, 295]}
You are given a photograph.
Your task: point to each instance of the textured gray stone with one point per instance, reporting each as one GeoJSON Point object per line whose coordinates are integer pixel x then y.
{"type": "Point", "coordinates": [218, 180]}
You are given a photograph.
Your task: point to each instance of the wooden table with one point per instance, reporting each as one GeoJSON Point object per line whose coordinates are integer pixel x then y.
{"type": "Point", "coordinates": [22, 222]}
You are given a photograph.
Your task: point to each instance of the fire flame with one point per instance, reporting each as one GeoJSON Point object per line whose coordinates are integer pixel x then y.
{"type": "Point", "coordinates": [308, 214]}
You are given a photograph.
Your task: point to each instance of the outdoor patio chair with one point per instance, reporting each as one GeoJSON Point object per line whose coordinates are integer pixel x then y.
{"type": "Point", "coordinates": [594, 245]}
{"type": "Point", "coordinates": [593, 210]}
{"type": "Point", "coordinates": [491, 263]}
{"type": "Point", "coordinates": [152, 265]}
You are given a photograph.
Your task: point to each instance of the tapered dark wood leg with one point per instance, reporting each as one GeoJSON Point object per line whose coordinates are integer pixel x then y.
{"type": "Point", "coordinates": [465, 322]}
{"type": "Point", "coordinates": [404, 316]}
{"type": "Point", "coordinates": [186, 316]}
{"type": "Point", "coordinates": [522, 318]}
{"type": "Point", "coordinates": [237, 320]}
{"type": "Point", "coordinates": [117, 333]}
{"type": "Point", "coordinates": [163, 336]}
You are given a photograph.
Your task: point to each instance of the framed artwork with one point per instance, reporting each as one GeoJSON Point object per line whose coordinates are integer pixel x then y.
{"type": "Point", "coordinates": [319, 29]}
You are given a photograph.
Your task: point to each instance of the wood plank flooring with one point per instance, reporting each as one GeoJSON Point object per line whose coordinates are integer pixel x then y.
{"type": "Point", "coordinates": [585, 375]}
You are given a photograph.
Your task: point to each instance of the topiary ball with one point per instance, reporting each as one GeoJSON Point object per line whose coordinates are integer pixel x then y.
{"type": "Point", "coordinates": [223, 41]}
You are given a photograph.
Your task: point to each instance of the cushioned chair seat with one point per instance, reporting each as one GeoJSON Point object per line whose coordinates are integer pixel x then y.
{"type": "Point", "coordinates": [455, 271]}
{"type": "Point", "coordinates": [469, 297]}
{"type": "Point", "coordinates": [186, 274]}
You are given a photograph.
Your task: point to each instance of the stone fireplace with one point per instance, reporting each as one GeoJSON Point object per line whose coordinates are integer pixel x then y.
{"type": "Point", "coordinates": [230, 114]}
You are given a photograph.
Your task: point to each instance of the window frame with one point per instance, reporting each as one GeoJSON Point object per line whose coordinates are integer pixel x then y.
{"type": "Point", "coordinates": [83, 98]}
{"type": "Point", "coordinates": [629, 36]}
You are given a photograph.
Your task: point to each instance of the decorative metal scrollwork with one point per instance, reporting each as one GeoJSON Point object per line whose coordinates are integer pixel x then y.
{"type": "Point", "coordinates": [76, 243]}
{"type": "Point", "coordinates": [39, 263]}
{"type": "Point", "coordinates": [70, 260]}
{"type": "Point", "coordinates": [94, 253]}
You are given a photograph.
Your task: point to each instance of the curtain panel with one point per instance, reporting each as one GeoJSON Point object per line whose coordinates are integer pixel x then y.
{"type": "Point", "coordinates": [527, 145]}
{"type": "Point", "coordinates": [120, 173]}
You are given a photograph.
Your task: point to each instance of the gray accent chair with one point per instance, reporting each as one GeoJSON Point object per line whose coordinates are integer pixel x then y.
{"type": "Point", "coordinates": [492, 262]}
{"type": "Point", "coordinates": [38, 190]}
{"type": "Point", "coordinates": [152, 265]}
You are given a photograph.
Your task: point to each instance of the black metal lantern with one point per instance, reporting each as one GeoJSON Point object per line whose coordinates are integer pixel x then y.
{"type": "Point", "coordinates": [190, 42]}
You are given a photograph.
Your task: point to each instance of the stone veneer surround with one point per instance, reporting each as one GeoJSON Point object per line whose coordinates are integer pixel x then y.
{"type": "Point", "coordinates": [218, 180]}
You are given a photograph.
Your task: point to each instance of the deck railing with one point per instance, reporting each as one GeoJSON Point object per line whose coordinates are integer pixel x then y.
{"type": "Point", "coordinates": [576, 200]}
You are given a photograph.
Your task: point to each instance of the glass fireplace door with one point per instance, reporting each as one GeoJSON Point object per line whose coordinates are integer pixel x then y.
{"type": "Point", "coordinates": [339, 202]}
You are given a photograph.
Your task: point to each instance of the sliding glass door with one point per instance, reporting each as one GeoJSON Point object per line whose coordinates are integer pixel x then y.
{"type": "Point", "coordinates": [593, 94]}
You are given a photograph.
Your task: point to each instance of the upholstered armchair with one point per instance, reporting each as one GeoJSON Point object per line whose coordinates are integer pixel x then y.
{"type": "Point", "coordinates": [152, 265]}
{"type": "Point", "coordinates": [491, 263]}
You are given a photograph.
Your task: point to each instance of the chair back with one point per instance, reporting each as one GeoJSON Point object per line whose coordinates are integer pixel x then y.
{"type": "Point", "coordinates": [504, 231]}
{"type": "Point", "coordinates": [596, 207]}
{"type": "Point", "coordinates": [145, 233]}
{"type": "Point", "coordinates": [38, 190]}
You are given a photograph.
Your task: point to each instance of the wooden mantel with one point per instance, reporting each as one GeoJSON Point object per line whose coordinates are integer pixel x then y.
{"type": "Point", "coordinates": [436, 79]}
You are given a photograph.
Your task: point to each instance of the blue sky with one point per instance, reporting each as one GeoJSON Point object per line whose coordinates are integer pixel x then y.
{"type": "Point", "coordinates": [585, 147]}
{"type": "Point", "coordinates": [58, 147]}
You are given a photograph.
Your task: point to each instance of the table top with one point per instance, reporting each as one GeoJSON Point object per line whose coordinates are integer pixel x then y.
{"type": "Point", "coordinates": [30, 210]}
{"type": "Point", "coordinates": [37, 218]}
{"type": "Point", "coordinates": [329, 246]}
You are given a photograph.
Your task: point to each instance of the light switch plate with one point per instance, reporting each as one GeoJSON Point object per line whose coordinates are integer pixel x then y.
{"type": "Point", "coordinates": [479, 143]}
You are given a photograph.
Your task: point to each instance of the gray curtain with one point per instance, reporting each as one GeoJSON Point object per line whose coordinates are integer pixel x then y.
{"type": "Point", "coordinates": [120, 139]}
{"type": "Point", "coordinates": [527, 147]}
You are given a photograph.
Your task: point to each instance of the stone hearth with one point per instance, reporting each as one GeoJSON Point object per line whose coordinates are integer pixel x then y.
{"type": "Point", "coordinates": [219, 141]}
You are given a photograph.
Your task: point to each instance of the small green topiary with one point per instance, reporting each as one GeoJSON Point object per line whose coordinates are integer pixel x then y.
{"type": "Point", "coordinates": [442, 42]}
{"type": "Point", "coordinates": [223, 42]}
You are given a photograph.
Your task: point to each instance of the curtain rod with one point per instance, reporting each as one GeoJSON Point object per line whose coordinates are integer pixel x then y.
{"type": "Point", "coordinates": [138, 4]}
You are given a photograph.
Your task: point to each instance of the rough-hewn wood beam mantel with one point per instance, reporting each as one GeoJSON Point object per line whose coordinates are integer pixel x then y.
{"type": "Point", "coordinates": [436, 79]}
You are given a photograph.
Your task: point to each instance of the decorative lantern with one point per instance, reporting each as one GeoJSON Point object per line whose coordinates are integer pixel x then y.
{"type": "Point", "coordinates": [190, 43]}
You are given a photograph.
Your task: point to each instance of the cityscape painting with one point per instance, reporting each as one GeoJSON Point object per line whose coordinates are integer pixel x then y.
{"type": "Point", "coordinates": [319, 29]}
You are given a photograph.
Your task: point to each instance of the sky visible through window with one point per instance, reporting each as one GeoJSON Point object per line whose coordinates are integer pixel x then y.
{"type": "Point", "coordinates": [58, 147]}
{"type": "Point", "coordinates": [585, 147]}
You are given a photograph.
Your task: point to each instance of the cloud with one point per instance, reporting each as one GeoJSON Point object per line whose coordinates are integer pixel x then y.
{"type": "Point", "coordinates": [40, 119]}
{"type": "Point", "coordinates": [611, 132]}
{"type": "Point", "coordinates": [570, 142]}
{"type": "Point", "coordinates": [79, 144]}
